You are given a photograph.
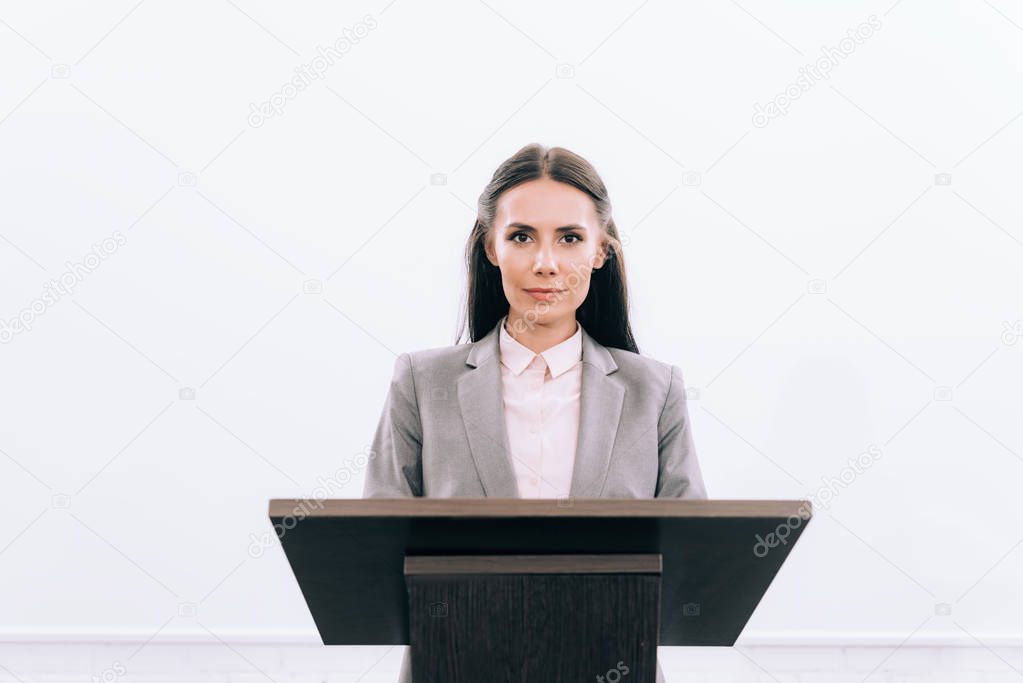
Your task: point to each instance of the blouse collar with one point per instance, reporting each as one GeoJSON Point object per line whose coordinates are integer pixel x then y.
{"type": "Point", "coordinates": [559, 358]}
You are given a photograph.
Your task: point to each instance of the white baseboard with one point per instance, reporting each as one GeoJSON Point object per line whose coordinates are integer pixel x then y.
{"type": "Point", "coordinates": [310, 638]}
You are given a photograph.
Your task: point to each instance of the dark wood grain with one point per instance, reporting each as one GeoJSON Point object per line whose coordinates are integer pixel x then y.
{"type": "Point", "coordinates": [508, 628]}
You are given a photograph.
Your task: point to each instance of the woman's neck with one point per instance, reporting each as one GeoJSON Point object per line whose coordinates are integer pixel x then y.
{"type": "Point", "coordinates": [539, 336]}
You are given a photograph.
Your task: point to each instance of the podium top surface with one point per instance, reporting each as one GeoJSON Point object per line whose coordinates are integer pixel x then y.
{"type": "Point", "coordinates": [542, 507]}
{"type": "Point", "coordinates": [718, 556]}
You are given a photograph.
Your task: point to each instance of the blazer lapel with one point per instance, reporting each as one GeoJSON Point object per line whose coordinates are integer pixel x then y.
{"type": "Point", "coordinates": [481, 401]}
{"type": "Point", "coordinates": [600, 410]}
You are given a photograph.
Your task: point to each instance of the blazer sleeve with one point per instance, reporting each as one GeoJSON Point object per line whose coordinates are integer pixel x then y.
{"type": "Point", "coordinates": [678, 473]}
{"type": "Point", "coordinates": [395, 467]}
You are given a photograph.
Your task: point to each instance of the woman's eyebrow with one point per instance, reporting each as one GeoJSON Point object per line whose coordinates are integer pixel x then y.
{"type": "Point", "coordinates": [524, 226]}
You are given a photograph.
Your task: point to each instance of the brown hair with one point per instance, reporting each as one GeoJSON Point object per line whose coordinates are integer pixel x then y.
{"type": "Point", "coordinates": [604, 313]}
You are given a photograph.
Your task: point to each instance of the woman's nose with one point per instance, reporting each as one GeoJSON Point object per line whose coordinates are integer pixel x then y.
{"type": "Point", "coordinates": [545, 261]}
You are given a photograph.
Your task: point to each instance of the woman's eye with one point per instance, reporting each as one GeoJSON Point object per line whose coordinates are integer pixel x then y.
{"type": "Point", "coordinates": [575, 238]}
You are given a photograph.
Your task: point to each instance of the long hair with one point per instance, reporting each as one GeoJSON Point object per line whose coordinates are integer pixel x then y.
{"type": "Point", "coordinates": [605, 312]}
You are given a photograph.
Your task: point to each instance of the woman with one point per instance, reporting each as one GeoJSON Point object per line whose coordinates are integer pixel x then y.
{"type": "Point", "coordinates": [551, 398]}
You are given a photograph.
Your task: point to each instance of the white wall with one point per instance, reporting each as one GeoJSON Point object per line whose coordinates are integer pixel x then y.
{"type": "Point", "coordinates": [841, 277]}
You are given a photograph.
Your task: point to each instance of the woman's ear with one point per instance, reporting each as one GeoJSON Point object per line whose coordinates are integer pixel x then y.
{"type": "Point", "coordinates": [601, 256]}
{"type": "Point", "coordinates": [488, 251]}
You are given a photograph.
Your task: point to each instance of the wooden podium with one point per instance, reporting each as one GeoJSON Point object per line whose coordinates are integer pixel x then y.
{"type": "Point", "coordinates": [497, 589]}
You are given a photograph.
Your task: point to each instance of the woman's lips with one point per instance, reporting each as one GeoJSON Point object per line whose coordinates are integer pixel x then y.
{"type": "Point", "coordinates": [544, 294]}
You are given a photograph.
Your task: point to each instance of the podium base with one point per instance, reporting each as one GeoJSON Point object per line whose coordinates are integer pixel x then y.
{"type": "Point", "coordinates": [519, 618]}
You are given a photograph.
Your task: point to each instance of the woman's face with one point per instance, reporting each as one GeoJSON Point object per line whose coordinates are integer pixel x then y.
{"type": "Point", "coordinates": [546, 235]}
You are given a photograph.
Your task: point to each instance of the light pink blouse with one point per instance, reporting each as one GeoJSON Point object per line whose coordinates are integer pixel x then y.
{"type": "Point", "coordinates": [541, 410]}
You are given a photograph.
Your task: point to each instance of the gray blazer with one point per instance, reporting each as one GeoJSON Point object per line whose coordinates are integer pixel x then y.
{"type": "Point", "coordinates": [442, 433]}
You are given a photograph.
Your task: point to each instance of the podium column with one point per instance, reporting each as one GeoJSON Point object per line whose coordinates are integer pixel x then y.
{"type": "Point", "coordinates": [519, 618]}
